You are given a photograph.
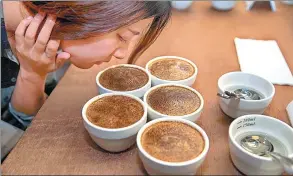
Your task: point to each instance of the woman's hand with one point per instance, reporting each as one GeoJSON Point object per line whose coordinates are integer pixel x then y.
{"type": "Point", "coordinates": [37, 54]}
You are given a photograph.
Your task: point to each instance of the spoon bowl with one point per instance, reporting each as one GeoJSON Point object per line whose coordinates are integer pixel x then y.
{"type": "Point", "coordinates": [257, 144]}
{"type": "Point", "coordinates": [261, 146]}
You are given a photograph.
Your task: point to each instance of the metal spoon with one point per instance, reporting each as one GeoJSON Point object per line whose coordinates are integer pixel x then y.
{"type": "Point", "coordinates": [248, 94]}
{"type": "Point", "coordinates": [229, 95]}
{"type": "Point", "coordinates": [241, 93]}
{"type": "Point", "coordinates": [259, 145]}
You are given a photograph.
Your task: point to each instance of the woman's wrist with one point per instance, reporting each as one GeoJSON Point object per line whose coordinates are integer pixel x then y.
{"type": "Point", "coordinates": [32, 77]}
{"type": "Point", "coordinates": [28, 95]}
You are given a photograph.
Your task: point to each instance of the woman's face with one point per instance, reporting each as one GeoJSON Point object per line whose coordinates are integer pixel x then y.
{"type": "Point", "coordinates": [85, 53]}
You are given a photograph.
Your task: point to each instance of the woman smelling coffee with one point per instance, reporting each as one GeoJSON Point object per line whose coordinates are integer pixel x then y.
{"type": "Point", "coordinates": [43, 35]}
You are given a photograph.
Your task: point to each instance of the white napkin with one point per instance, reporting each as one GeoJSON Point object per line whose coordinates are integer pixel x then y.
{"type": "Point", "coordinates": [290, 112]}
{"type": "Point", "coordinates": [263, 58]}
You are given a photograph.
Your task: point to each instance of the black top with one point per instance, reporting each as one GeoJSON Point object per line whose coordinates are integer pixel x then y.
{"type": "Point", "coordinates": [9, 69]}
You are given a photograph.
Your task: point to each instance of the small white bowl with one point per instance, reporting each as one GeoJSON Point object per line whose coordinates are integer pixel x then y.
{"type": "Point", "coordinates": [236, 108]}
{"type": "Point", "coordinates": [157, 81]}
{"type": "Point", "coordinates": [155, 166]}
{"type": "Point", "coordinates": [223, 5]}
{"type": "Point", "coordinates": [153, 114]}
{"type": "Point", "coordinates": [251, 164]}
{"type": "Point", "coordinates": [181, 5]}
{"type": "Point", "coordinates": [118, 139]}
{"type": "Point", "coordinates": [137, 92]}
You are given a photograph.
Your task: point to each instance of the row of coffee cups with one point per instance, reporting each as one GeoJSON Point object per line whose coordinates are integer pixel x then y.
{"type": "Point", "coordinates": [165, 85]}
{"type": "Point", "coordinates": [160, 70]}
{"type": "Point", "coordinates": [170, 143]}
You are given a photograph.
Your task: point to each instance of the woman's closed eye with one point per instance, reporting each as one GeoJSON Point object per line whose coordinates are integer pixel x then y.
{"type": "Point", "coordinates": [121, 38]}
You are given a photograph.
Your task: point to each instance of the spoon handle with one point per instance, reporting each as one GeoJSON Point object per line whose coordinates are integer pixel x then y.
{"type": "Point", "coordinates": [231, 94]}
{"type": "Point", "coordinates": [223, 96]}
{"type": "Point", "coordinates": [285, 161]}
{"type": "Point", "coordinates": [228, 95]}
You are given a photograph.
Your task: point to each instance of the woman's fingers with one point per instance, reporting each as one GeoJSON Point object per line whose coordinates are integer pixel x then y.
{"type": "Point", "coordinates": [31, 32]}
{"type": "Point", "coordinates": [49, 56]}
{"type": "Point", "coordinates": [44, 35]}
{"type": "Point", "coordinates": [52, 48]}
{"type": "Point", "coordinates": [61, 59]}
{"type": "Point", "coordinates": [38, 55]}
{"type": "Point", "coordinates": [20, 31]}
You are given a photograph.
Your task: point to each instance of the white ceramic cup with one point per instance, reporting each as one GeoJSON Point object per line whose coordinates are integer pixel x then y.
{"type": "Point", "coordinates": [223, 5]}
{"type": "Point", "coordinates": [155, 166]}
{"type": "Point", "coordinates": [137, 92]}
{"type": "Point", "coordinates": [236, 108]}
{"type": "Point", "coordinates": [251, 164]}
{"type": "Point", "coordinates": [153, 114]}
{"type": "Point", "coordinates": [157, 81]}
{"type": "Point", "coordinates": [118, 139]}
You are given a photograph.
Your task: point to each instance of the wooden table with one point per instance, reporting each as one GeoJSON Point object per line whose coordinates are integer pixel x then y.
{"type": "Point", "coordinates": [57, 142]}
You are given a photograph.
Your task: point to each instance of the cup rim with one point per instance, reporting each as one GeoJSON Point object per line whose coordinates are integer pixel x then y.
{"type": "Point", "coordinates": [84, 109]}
{"type": "Point", "coordinates": [232, 139]}
{"type": "Point", "coordinates": [200, 108]}
{"type": "Point", "coordinates": [184, 163]}
{"type": "Point", "coordinates": [125, 65]}
{"type": "Point", "coordinates": [172, 57]}
{"type": "Point", "coordinates": [244, 100]}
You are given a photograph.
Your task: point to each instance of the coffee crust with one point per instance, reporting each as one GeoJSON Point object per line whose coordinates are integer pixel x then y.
{"type": "Point", "coordinates": [171, 69]}
{"type": "Point", "coordinates": [123, 78]}
{"type": "Point", "coordinates": [115, 111]}
{"type": "Point", "coordinates": [173, 100]}
{"type": "Point", "coordinates": [172, 141]}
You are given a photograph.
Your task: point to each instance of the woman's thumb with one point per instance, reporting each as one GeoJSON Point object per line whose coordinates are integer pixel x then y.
{"type": "Point", "coordinates": [61, 59]}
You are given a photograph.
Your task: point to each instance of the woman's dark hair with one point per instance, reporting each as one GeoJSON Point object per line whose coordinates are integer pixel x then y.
{"type": "Point", "coordinates": [83, 19]}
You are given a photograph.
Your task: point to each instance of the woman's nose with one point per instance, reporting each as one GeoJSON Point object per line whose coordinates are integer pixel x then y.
{"type": "Point", "coordinates": [120, 53]}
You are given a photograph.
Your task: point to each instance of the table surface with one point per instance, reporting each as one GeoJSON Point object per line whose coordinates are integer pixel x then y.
{"type": "Point", "coordinates": [57, 142]}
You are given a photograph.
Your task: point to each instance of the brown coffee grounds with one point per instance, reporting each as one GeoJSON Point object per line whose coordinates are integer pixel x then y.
{"type": "Point", "coordinates": [173, 100]}
{"type": "Point", "coordinates": [172, 141]}
{"type": "Point", "coordinates": [115, 111]}
{"type": "Point", "coordinates": [171, 69]}
{"type": "Point", "coordinates": [123, 78]}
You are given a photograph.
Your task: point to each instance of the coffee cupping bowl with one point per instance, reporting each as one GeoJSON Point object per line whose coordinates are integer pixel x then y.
{"type": "Point", "coordinates": [137, 92]}
{"type": "Point", "coordinates": [251, 164]}
{"type": "Point", "coordinates": [153, 114]}
{"type": "Point", "coordinates": [155, 166]}
{"type": "Point", "coordinates": [118, 139]}
{"type": "Point", "coordinates": [157, 81]}
{"type": "Point", "coordinates": [223, 5]}
{"type": "Point", "coordinates": [236, 108]}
